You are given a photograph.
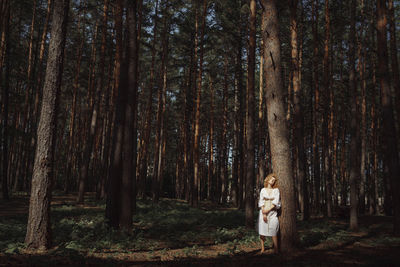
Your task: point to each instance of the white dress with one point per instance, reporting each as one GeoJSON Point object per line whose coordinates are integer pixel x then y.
{"type": "Point", "coordinates": [271, 227]}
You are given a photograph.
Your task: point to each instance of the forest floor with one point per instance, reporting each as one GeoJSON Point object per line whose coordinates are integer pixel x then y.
{"type": "Point", "coordinates": [173, 233]}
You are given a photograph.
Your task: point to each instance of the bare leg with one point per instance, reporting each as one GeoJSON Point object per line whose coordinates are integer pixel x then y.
{"type": "Point", "coordinates": [262, 240]}
{"type": "Point", "coordinates": [275, 242]}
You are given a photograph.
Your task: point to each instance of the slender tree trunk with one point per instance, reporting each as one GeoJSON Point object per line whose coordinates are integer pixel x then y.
{"type": "Point", "coordinates": [278, 130]}
{"type": "Point", "coordinates": [250, 169]}
{"type": "Point", "coordinates": [38, 234]}
{"type": "Point", "coordinates": [5, 96]}
{"type": "Point", "coordinates": [149, 110]}
{"type": "Point", "coordinates": [389, 142]}
{"type": "Point", "coordinates": [223, 178]}
{"type": "Point", "coordinates": [298, 117]}
{"type": "Point", "coordinates": [354, 166]}
{"type": "Point", "coordinates": [316, 154]}
{"type": "Point", "coordinates": [261, 125]}
{"type": "Point", "coordinates": [394, 64]}
{"type": "Point", "coordinates": [196, 147]}
{"type": "Point", "coordinates": [157, 177]}
{"type": "Point", "coordinates": [326, 120]}
{"type": "Point", "coordinates": [210, 173]}
{"type": "Point", "coordinates": [88, 147]}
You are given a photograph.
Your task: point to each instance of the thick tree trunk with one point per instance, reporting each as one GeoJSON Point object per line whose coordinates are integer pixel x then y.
{"type": "Point", "coordinates": [129, 128]}
{"type": "Point", "coordinates": [278, 129]}
{"type": "Point", "coordinates": [389, 142]}
{"type": "Point", "coordinates": [38, 234]}
{"type": "Point", "coordinates": [114, 182]}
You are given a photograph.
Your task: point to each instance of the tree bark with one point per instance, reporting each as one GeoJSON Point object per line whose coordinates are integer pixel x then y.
{"type": "Point", "coordinates": [250, 169]}
{"type": "Point", "coordinates": [5, 96]}
{"type": "Point", "coordinates": [278, 129]}
{"type": "Point", "coordinates": [389, 142]}
{"type": "Point", "coordinates": [298, 117]}
{"type": "Point", "coordinates": [393, 59]}
{"type": "Point", "coordinates": [38, 234]}
{"type": "Point", "coordinates": [354, 146]}
{"type": "Point", "coordinates": [196, 147]}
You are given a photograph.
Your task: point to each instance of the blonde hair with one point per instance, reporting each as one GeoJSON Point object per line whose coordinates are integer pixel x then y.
{"type": "Point", "coordinates": [269, 176]}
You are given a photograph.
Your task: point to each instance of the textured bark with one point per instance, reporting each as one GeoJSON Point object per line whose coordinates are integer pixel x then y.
{"type": "Point", "coordinates": [38, 234]}
{"type": "Point", "coordinates": [223, 178]}
{"type": "Point", "coordinates": [278, 129]}
{"type": "Point", "coordinates": [389, 142]}
{"type": "Point", "coordinates": [250, 128]}
{"type": "Point", "coordinates": [354, 147]}
{"type": "Point", "coordinates": [261, 125]}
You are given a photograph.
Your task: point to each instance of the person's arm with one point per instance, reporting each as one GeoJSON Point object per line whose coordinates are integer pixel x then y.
{"type": "Point", "coordinates": [276, 202]}
{"type": "Point", "coordinates": [261, 199]}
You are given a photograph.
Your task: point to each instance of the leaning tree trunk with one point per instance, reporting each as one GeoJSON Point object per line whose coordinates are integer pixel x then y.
{"type": "Point", "coordinates": [250, 169]}
{"type": "Point", "coordinates": [38, 229]}
{"type": "Point", "coordinates": [389, 141]}
{"type": "Point", "coordinates": [278, 129]}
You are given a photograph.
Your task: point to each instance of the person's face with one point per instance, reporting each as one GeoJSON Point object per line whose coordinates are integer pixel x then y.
{"type": "Point", "coordinates": [272, 181]}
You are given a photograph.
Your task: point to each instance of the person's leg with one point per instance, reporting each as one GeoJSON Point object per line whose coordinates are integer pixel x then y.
{"type": "Point", "coordinates": [262, 240]}
{"type": "Point", "coordinates": [275, 243]}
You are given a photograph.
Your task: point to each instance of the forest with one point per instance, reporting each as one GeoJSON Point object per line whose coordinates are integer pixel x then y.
{"type": "Point", "coordinates": [141, 131]}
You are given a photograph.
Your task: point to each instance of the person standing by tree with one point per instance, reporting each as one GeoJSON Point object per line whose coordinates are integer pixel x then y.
{"type": "Point", "coordinates": [269, 203]}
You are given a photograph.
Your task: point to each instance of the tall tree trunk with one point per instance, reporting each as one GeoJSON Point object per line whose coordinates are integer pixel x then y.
{"type": "Point", "coordinates": [393, 59]}
{"type": "Point", "coordinates": [88, 147]}
{"type": "Point", "coordinates": [224, 144]}
{"type": "Point", "coordinates": [196, 145]}
{"type": "Point", "coordinates": [38, 234]}
{"type": "Point", "coordinates": [354, 147]}
{"type": "Point", "coordinates": [5, 96]}
{"type": "Point", "coordinates": [327, 119]}
{"type": "Point", "coordinates": [114, 182]}
{"type": "Point", "coordinates": [158, 172]}
{"type": "Point", "coordinates": [298, 117]}
{"type": "Point", "coordinates": [278, 129]}
{"type": "Point", "coordinates": [261, 125]}
{"type": "Point", "coordinates": [316, 154]}
{"type": "Point", "coordinates": [129, 128]}
{"type": "Point", "coordinates": [210, 174]}
{"type": "Point", "coordinates": [149, 110]}
{"type": "Point", "coordinates": [389, 142]}
{"type": "Point", "coordinates": [250, 133]}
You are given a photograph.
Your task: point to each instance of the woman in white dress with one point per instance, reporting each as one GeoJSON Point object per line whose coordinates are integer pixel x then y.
{"type": "Point", "coordinates": [269, 203]}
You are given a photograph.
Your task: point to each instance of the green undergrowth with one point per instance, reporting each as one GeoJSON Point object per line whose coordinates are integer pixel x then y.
{"type": "Point", "coordinates": [170, 224]}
